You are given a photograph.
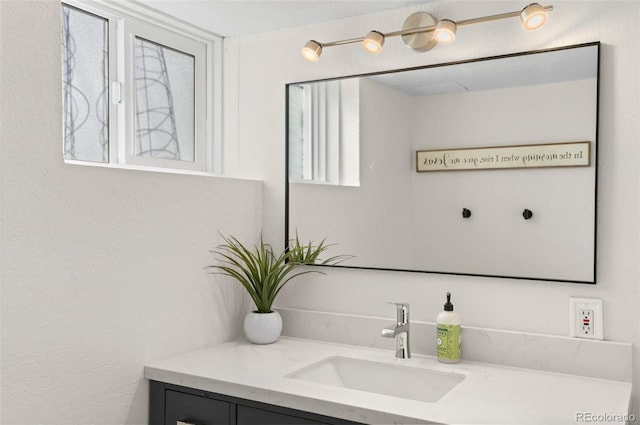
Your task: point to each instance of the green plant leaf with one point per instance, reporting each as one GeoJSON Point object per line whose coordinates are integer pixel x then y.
{"type": "Point", "coordinates": [261, 272]}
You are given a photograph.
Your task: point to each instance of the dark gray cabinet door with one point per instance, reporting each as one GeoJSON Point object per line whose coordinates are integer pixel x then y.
{"type": "Point", "coordinates": [195, 410]}
{"type": "Point", "coordinates": [173, 404]}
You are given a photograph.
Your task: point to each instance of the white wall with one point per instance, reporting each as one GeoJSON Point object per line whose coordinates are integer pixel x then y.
{"type": "Point", "coordinates": [263, 64]}
{"type": "Point", "coordinates": [102, 269]}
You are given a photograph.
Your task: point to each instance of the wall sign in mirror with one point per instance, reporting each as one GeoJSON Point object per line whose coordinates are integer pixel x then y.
{"type": "Point", "coordinates": [355, 144]}
{"type": "Point", "coordinates": [574, 154]}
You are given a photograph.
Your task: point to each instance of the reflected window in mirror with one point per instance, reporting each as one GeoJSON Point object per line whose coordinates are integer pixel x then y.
{"type": "Point", "coordinates": [323, 133]}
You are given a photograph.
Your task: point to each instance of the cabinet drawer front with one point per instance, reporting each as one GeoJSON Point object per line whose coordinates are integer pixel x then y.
{"type": "Point", "coordinates": [195, 410]}
{"type": "Point", "coordinates": [253, 416]}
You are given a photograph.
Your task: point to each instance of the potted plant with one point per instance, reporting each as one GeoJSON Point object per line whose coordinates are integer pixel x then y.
{"type": "Point", "coordinates": [263, 273]}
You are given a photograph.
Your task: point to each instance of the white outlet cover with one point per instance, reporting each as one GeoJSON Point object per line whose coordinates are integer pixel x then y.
{"type": "Point", "coordinates": [577, 304]}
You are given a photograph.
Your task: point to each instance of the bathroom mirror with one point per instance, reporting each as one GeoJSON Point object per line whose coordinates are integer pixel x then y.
{"type": "Point", "coordinates": [363, 154]}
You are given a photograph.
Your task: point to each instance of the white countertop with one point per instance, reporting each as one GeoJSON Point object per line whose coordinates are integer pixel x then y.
{"type": "Point", "coordinates": [489, 394]}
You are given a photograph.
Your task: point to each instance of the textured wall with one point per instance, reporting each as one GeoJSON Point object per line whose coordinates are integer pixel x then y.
{"type": "Point", "coordinates": [102, 269]}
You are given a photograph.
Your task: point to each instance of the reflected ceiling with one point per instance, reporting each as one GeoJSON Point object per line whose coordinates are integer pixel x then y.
{"type": "Point", "coordinates": [525, 70]}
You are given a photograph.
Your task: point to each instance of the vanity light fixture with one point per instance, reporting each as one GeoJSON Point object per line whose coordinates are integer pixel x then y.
{"type": "Point", "coordinates": [373, 42]}
{"type": "Point", "coordinates": [422, 25]}
{"type": "Point", "coordinates": [445, 31]}
{"type": "Point", "coordinates": [533, 16]}
{"type": "Point", "coordinates": [312, 51]}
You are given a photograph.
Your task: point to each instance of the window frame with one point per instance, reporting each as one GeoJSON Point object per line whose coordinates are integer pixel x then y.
{"type": "Point", "coordinates": [125, 22]}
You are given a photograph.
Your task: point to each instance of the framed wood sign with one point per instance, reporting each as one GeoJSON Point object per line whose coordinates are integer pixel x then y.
{"type": "Point", "coordinates": [569, 154]}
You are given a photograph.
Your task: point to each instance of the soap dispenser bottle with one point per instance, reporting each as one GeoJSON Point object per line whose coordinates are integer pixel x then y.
{"type": "Point", "coordinates": [448, 334]}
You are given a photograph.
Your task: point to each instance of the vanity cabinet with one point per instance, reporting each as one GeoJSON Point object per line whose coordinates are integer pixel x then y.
{"type": "Point", "coordinates": [176, 405]}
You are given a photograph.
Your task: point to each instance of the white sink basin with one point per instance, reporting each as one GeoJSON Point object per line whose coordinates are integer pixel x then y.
{"type": "Point", "coordinates": [394, 380]}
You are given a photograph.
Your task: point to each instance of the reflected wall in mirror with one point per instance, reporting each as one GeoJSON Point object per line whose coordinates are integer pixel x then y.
{"type": "Point", "coordinates": [352, 146]}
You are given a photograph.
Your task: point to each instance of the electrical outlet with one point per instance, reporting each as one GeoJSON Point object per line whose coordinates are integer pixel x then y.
{"type": "Point", "coordinates": [586, 322]}
{"type": "Point", "coordinates": [585, 318]}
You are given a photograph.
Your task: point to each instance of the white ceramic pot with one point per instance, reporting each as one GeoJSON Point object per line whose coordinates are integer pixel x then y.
{"type": "Point", "coordinates": [263, 328]}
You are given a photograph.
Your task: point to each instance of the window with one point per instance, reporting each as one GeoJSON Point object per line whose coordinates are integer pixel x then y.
{"type": "Point", "coordinates": [85, 72]}
{"type": "Point", "coordinates": [139, 90]}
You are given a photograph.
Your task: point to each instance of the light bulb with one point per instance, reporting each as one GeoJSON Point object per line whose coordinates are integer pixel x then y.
{"type": "Point", "coordinates": [445, 31]}
{"type": "Point", "coordinates": [311, 51]}
{"type": "Point", "coordinates": [373, 42]}
{"type": "Point", "coordinates": [533, 16]}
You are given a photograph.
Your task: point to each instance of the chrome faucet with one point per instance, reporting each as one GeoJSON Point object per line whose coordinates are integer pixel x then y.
{"type": "Point", "coordinates": [400, 331]}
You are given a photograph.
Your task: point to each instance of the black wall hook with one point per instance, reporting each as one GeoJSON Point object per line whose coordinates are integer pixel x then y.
{"type": "Point", "coordinates": [466, 213]}
{"type": "Point", "coordinates": [527, 214]}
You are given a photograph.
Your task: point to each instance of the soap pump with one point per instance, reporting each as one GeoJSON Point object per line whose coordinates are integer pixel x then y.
{"type": "Point", "coordinates": [448, 334]}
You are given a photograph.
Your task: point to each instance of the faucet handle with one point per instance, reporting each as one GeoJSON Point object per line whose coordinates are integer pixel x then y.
{"type": "Point", "coordinates": [402, 312]}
